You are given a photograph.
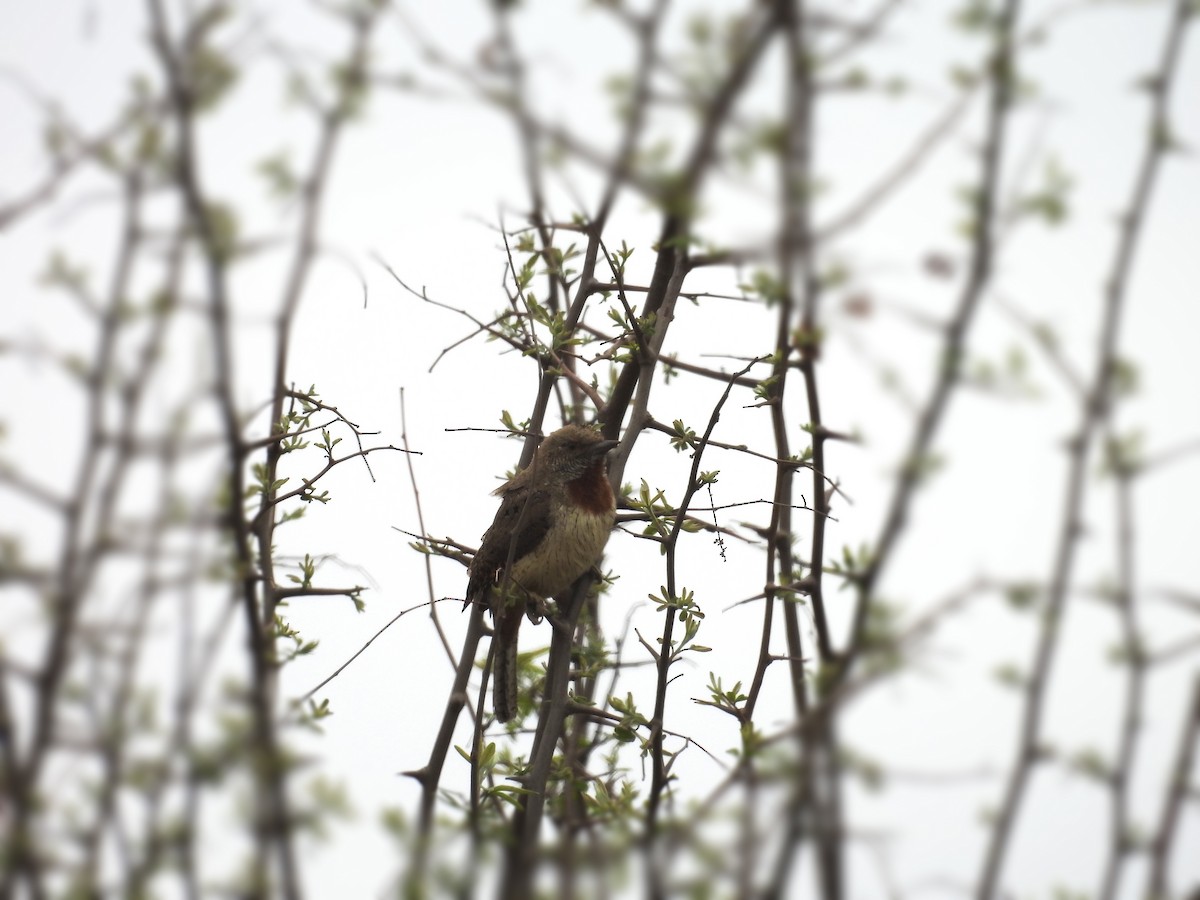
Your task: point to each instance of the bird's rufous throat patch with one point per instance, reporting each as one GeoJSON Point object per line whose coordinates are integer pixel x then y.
{"type": "Point", "coordinates": [591, 490]}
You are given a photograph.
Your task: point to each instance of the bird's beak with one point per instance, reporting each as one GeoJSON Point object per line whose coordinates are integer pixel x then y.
{"type": "Point", "coordinates": [604, 447]}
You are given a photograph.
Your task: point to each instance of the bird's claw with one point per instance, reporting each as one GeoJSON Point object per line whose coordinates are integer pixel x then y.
{"type": "Point", "coordinates": [537, 609]}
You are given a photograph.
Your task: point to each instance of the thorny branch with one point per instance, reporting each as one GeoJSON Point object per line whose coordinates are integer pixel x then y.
{"type": "Point", "coordinates": [1096, 411]}
{"type": "Point", "coordinates": [595, 331]}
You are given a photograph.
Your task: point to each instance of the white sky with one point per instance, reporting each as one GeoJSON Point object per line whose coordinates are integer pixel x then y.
{"type": "Point", "coordinates": [416, 182]}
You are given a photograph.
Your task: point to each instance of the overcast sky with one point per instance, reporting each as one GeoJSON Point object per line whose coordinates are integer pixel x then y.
{"type": "Point", "coordinates": [423, 183]}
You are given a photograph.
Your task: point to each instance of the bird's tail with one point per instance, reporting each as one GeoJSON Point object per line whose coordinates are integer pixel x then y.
{"type": "Point", "coordinates": [504, 680]}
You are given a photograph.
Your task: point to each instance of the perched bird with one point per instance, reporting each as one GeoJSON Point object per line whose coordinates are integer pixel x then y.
{"type": "Point", "coordinates": [554, 519]}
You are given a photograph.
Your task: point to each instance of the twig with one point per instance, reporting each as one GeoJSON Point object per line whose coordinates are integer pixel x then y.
{"type": "Point", "coordinates": [1095, 412]}
{"type": "Point", "coordinates": [359, 652]}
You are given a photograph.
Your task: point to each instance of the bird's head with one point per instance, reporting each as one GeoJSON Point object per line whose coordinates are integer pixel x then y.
{"type": "Point", "coordinates": [571, 452]}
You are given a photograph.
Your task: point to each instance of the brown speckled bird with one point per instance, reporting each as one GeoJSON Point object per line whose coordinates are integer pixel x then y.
{"type": "Point", "coordinates": [554, 519]}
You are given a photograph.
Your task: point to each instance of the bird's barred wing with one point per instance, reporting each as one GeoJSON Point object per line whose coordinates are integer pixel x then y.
{"type": "Point", "coordinates": [522, 513]}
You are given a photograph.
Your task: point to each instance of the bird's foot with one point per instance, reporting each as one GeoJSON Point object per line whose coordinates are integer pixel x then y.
{"type": "Point", "coordinates": [537, 609]}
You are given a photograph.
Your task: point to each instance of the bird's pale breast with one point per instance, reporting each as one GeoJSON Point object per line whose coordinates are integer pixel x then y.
{"type": "Point", "coordinates": [571, 546]}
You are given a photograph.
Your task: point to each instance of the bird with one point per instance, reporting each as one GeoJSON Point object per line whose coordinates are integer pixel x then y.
{"type": "Point", "coordinates": [553, 523]}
